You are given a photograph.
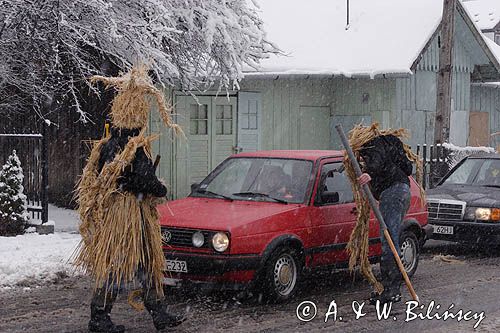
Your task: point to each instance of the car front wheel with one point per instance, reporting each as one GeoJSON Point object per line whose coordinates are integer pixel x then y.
{"type": "Point", "coordinates": [282, 275]}
{"type": "Point", "coordinates": [409, 251]}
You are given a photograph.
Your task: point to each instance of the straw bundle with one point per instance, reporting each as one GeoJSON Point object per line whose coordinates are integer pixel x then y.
{"type": "Point", "coordinates": [358, 241]}
{"type": "Point", "coordinates": [132, 103]}
{"type": "Point", "coordinates": [120, 233]}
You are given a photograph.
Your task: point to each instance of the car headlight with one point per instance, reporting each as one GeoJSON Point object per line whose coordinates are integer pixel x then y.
{"type": "Point", "coordinates": [198, 239]}
{"type": "Point", "coordinates": [220, 242]}
{"type": "Point", "coordinates": [487, 214]}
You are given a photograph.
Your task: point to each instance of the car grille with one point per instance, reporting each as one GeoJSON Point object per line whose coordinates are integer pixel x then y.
{"type": "Point", "coordinates": [183, 237]}
{"type": "Point", "coordinates": [445, 210]}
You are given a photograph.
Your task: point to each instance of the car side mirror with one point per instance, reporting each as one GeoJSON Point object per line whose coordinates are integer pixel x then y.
{"type": "Point", "coordinates": [329, 197]}
{"type": "Point", "coordinates": [194, 187]}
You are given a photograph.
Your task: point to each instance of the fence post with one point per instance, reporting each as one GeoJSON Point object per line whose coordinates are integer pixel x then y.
{"type": "Point", "coordinates": [45, 175]}
{"type": "Point", "coordinates": [424, 166]}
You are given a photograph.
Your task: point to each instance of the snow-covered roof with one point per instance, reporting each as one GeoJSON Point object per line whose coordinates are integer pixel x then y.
{"type": "Point", "coordinates": [485, 13]}
{"type": "Point", "coordinates": [384, 36]}
{"type": "Point", "coordinates": [494, 47]}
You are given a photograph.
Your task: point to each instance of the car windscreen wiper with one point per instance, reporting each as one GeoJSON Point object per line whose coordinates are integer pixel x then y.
{"type": "Point", "coordinates": [208, 192]}
{"type": "Point", "coordinates": [490, 185]}
{"type": "Point", "coordinates": [257, 194]}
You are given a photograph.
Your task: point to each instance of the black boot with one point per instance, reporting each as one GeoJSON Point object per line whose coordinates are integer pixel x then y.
{"type": "Point", "coordinates": [391, 280]}
{"type": "Point", "coordinates": [387, 296]}
{"type": "Point", "coordinates": [100, 309]}
{"type": "Point", "coordinates": [158, 310]}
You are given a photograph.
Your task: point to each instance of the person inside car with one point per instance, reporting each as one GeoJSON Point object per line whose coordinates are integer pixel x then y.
{"type": "Point", "coordinates": [492, 176]}
{"type": "Point", "coordinates": [276, 182]}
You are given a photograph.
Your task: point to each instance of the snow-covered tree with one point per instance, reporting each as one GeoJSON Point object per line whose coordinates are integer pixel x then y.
{"type": "Point", "coordinates": [48, 48]}
{"type": "Point", "coordinates": [13, 215]}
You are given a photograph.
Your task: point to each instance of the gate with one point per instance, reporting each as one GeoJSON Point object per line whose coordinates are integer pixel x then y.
{"type": "Point", "coordinates": [32, 152]}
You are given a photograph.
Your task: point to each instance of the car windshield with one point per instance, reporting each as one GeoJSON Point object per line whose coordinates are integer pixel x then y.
{"type": "Point", "coordinates": [263, 179]}
{"type": "Point", "coordinates": [476, 171]}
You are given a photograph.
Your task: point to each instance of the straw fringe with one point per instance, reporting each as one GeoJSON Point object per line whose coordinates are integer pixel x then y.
{"type": "Point", "coordinates": [358, 242]}
{"type": "Point", "coordinates": [116, 239]}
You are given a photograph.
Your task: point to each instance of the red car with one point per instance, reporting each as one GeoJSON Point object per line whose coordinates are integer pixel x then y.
{"type": "Point", "coordinates": [264, 219]}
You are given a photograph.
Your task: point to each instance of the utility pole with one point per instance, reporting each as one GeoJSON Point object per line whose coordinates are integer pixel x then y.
{"type": "Point", "coordinates": [445, 74]}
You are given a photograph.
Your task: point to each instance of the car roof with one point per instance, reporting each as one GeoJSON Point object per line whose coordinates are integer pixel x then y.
{"type": "Point", "coordinates": [311, 155]}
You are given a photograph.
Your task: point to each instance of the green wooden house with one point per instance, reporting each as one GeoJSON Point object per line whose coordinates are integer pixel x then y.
{"type": "Point", "coordinates": [382, 66]}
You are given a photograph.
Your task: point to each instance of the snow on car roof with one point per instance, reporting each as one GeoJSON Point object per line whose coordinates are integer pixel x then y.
{"type": "Point", "coordinates": [485, 13]}
{"type": "Point", "coordinates": [297, 154]}
{"type": "Point", "coordinates": [384, 36]}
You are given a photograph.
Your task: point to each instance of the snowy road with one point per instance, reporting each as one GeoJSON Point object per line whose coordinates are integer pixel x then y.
{"type": "Point", "coordinates": [469, 281]}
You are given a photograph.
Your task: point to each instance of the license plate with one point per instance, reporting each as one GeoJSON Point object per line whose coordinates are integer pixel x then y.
{"type": "Point", "coordinates": [443, 229]}
{"type": "Point", "coordinates": [177, 266]}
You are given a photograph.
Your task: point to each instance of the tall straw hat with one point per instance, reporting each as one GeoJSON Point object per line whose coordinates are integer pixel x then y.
{"type": "Point", "coordinates": [135, 93]}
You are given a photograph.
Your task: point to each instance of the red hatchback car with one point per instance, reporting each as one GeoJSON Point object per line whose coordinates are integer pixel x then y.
{"type": "Point", "coordinates": [264, 219]}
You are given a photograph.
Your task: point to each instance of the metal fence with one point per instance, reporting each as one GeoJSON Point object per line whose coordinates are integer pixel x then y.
{"type": "Point", "coordinates": [32, 152]}
{"type": "Point", "coordinates": [435, 163]}
{"type": "Point", "coordinates": [439, 160]}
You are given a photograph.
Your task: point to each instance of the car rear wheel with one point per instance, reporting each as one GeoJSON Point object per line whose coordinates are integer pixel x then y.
{"type": "Point", "coordinates": [282, 275]}
{"type": "Point", "coordinates": [409, 251]}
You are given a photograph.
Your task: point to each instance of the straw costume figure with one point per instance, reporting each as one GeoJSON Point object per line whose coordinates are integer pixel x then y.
{"type": "Point", "coordinates": [386, 162]}
{"type": "Point", "coordinates": [117, 197]}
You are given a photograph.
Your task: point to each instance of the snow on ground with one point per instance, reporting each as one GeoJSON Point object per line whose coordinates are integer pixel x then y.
{"type": "Point", "coordinates": [64, 220]}
{"type": "Point", "coordinates": [32, 258]}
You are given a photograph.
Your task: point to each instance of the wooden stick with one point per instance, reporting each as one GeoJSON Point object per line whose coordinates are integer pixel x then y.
{"type": "Point", "coordinates": [373, 204]}
{"type": "Point", "coordinates": [157, 161]}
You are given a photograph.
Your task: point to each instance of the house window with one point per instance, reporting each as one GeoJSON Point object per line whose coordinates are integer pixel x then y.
{"type": "Point", "coordinates": [224, 119]}
{"type": "Point", "coordinates": [249, 116]}
{"type": "Point", "coordinates": [199, 119]}
{"type": "Point", "coordinates": [497, 38]}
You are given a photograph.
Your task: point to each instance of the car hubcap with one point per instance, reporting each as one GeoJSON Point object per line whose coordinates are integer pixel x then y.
{"type": "Point", "coordinates": [285, 274]}
{"type": "Point", "coordinates": [409, 254]}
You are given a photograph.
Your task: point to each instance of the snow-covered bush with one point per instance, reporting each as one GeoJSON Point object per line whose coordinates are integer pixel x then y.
{"type": "Point", "coordinates": [49, 48]}
{"type": "Point", "coordinates": [13, 215]}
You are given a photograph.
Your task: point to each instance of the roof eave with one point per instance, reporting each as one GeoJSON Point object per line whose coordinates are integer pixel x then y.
{"type": "Point", "coordinates": [277, 75]}
{"type": "Point", "coordinates": [426, 47]}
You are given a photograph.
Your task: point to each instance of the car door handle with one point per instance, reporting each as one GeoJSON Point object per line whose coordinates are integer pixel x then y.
{"type": "Point", "coordinates": [354, 211]}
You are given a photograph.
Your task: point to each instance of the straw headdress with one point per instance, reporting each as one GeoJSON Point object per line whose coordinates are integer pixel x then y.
{"type": "Point", "coordinates": [132, 104]}
{"type": "Point", "coordinates": [358, 242]}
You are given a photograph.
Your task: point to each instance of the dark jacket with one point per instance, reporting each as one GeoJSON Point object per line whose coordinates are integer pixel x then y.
{"type": "Point", "coordinates": [386, 162]}
{"type": "Point", "coordinates": [137, 178]}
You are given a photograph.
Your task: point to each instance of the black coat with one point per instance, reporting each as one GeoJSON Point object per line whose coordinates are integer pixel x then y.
{"type": "Point", "coordinates": [386, 162]}
{"type": "Point", "coordinates": [139, 177]}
